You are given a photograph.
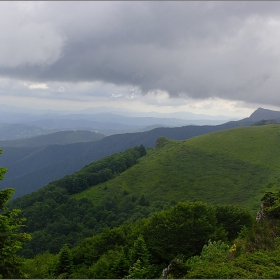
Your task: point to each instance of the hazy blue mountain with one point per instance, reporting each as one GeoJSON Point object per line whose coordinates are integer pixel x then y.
{"type": "Point", "coordinates": [60, 138]}
{"type": "Point", "coordinates": [264, 114]}
{"type": "Point", "coordinates": [104, 120]}
{"type": "Point", "coordinates": [32, 168]}
{"type": "Point", "coordinates": [114, 121]}
{"type": "Point", "coordinates": [18, 131]}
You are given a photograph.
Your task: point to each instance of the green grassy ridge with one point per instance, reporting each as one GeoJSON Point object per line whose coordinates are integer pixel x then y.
{"type": "Point", "coordinates": [255, 144]}
{"type": "Point", "coordinates": [230, 167]}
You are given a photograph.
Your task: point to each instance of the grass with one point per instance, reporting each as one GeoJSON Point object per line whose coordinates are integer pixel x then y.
{"type": "Point", "coordinates": [235, 166]}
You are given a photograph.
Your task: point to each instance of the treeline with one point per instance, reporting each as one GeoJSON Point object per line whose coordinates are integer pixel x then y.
{"type": "Point", "coordinates": [170, 242]}
{"type": "Point", "coordinates": [101, 171]}
{"type": "Point", "coordinates": [54, 217]}
{"type": "Point", "coordinates": [144, 248]}
{"type": "Point", "coordinates": [59, 219]}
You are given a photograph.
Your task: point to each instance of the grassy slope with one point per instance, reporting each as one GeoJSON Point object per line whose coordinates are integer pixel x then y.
{"type": "Point", "coordinates": [234, 166]}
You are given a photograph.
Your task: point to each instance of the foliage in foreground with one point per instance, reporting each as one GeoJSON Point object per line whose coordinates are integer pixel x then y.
{"type": "Point", "coordinates": [194, 240]}
{"type": "Point", "coordinates": [221, 261]}
{"type": "Point", "coordinates": [11, 240]}
{"type": "Point", "coordinates": [143, 249]}
{"type": "Point", "coordinates": [255, 253]}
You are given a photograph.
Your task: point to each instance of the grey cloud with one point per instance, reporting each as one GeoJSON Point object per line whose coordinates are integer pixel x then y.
{"type": "Point", "coordinates": [25, 40]}
{"type": "Point", "coordinates": [198, 49]}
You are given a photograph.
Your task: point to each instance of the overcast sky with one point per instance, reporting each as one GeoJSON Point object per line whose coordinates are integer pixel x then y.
{"type": "Point", "coordinates": [202, 57]}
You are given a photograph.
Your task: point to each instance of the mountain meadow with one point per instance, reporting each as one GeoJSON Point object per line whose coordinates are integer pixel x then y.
{"type": "Point", "coordinates": [180, 209]}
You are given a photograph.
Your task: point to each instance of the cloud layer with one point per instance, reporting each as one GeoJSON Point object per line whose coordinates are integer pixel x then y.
{"type": "Point", "coordinates": [228, 50]}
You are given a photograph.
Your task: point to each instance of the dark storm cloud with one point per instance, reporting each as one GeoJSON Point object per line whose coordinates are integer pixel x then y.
{"type": "Point", "coordinates": [200, 49]}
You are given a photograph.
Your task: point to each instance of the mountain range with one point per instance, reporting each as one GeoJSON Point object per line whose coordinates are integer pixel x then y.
{"type": "Point", "coordinates": [30, 168]}
{"type": "Point", "coordinates": [207, 186]}
{"type": "Point", "coordinates": [16, 123]}
{"type": "Point", "coordinates": [234, 166]}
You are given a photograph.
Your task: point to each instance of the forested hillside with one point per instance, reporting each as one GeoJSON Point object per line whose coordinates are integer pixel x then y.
{"type": "Point", "coordinates": [54, 217]}
{"type": "Point", "coordinates": [239, 163]}
{"type": "Point", "coordinates": [127, 215]}
{"type": "Point", "coordinates": [31, 169]}
{"type": "Point", "coordinates": [230, 167]}
{"type": "Point", "coordinates": [190, 240]}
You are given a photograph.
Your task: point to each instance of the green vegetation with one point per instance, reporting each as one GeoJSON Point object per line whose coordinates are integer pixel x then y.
{"type": "Point", "coordinates": [254, 254]}
{"type": "Point", "coordinates": [256, 145]}
{"type": "Point", "coordinates": [217, 168]}
{"type": "Point", "coordinates": [10, 239]}
{"type": "Point", "coordinates": [31, 169]}
{"type": "Point", "coordinates": [53, 217]}
{"type": "Point", "coordinates": [218, 261]}
{"type": "Point", "coordinates": [101, 171]}
{"type": "Point", "coordinates": [184, 207]}
{"type": "Point", "coordinates": [142, 249]}
{"type": "Point", "coordinates": [265, 122]}
{"type": "Point", "coordinates": [230, 167]}
{"type": "Point", "coordinates": [189, 237]}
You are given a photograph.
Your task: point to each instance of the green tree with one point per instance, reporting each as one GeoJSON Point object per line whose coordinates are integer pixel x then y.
{"type": "Point", "coordinates": [271, 204]}
{"type": "Point", "coordinates": [183, 229]}
{"type": "Point", "coordinates": [111, 265]}
{"type": "Point", "coordinates": [64, 267]}
{"type": "Point", "coordinates": [142, 151]}
{"type": "Point", "coordinates": [139, 251]}
{"type": "Point", "coordinates": [138, 271]}
{"type": "Point", "coordinates": [105, 175]}
{"type": "Point", "coordinates": [40, 267]}
{"type": "Point", "coordinates": [11, 240]}
{"type": "Point", "coordinates": [139, 257]}
{"type": "Point", "coordinates": [143, 201]}
{"type": "Point", "coordinates": [233, 219]}
{"type": "Point", "coordinates": [120, 266]}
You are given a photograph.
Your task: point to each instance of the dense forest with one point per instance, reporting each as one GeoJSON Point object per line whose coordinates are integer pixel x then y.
{"type": "Point", "coordinates": [188, 240]}
{"type": "Point", "coordinates": [54, 217]}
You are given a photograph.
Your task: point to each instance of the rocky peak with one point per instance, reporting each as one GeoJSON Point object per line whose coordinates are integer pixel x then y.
{"type": "Point", "coordinates": [264, 114]}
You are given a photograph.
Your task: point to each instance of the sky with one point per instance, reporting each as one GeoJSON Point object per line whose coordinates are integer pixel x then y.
{"type": "Point", "coordinates": [215, 58]}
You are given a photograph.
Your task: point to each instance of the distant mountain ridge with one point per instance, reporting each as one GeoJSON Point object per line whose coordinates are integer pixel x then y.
{"type": "Point", "coordinates": [177, 115]}
{"type": "Point", "coordinates": [101, 121]}
{"type": "Point", "coordinates": [10, 131]}
{"type": "Point", "coordinates": [17, 113]}
{"type": "Point", "coordinates": [32, 168]}
{"type": "Point", "coordinates": [56, 138]}
{"type": "Point", "coordinates": [264, 114]}
{"type": "Point", "coordinates": [20, 125]}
